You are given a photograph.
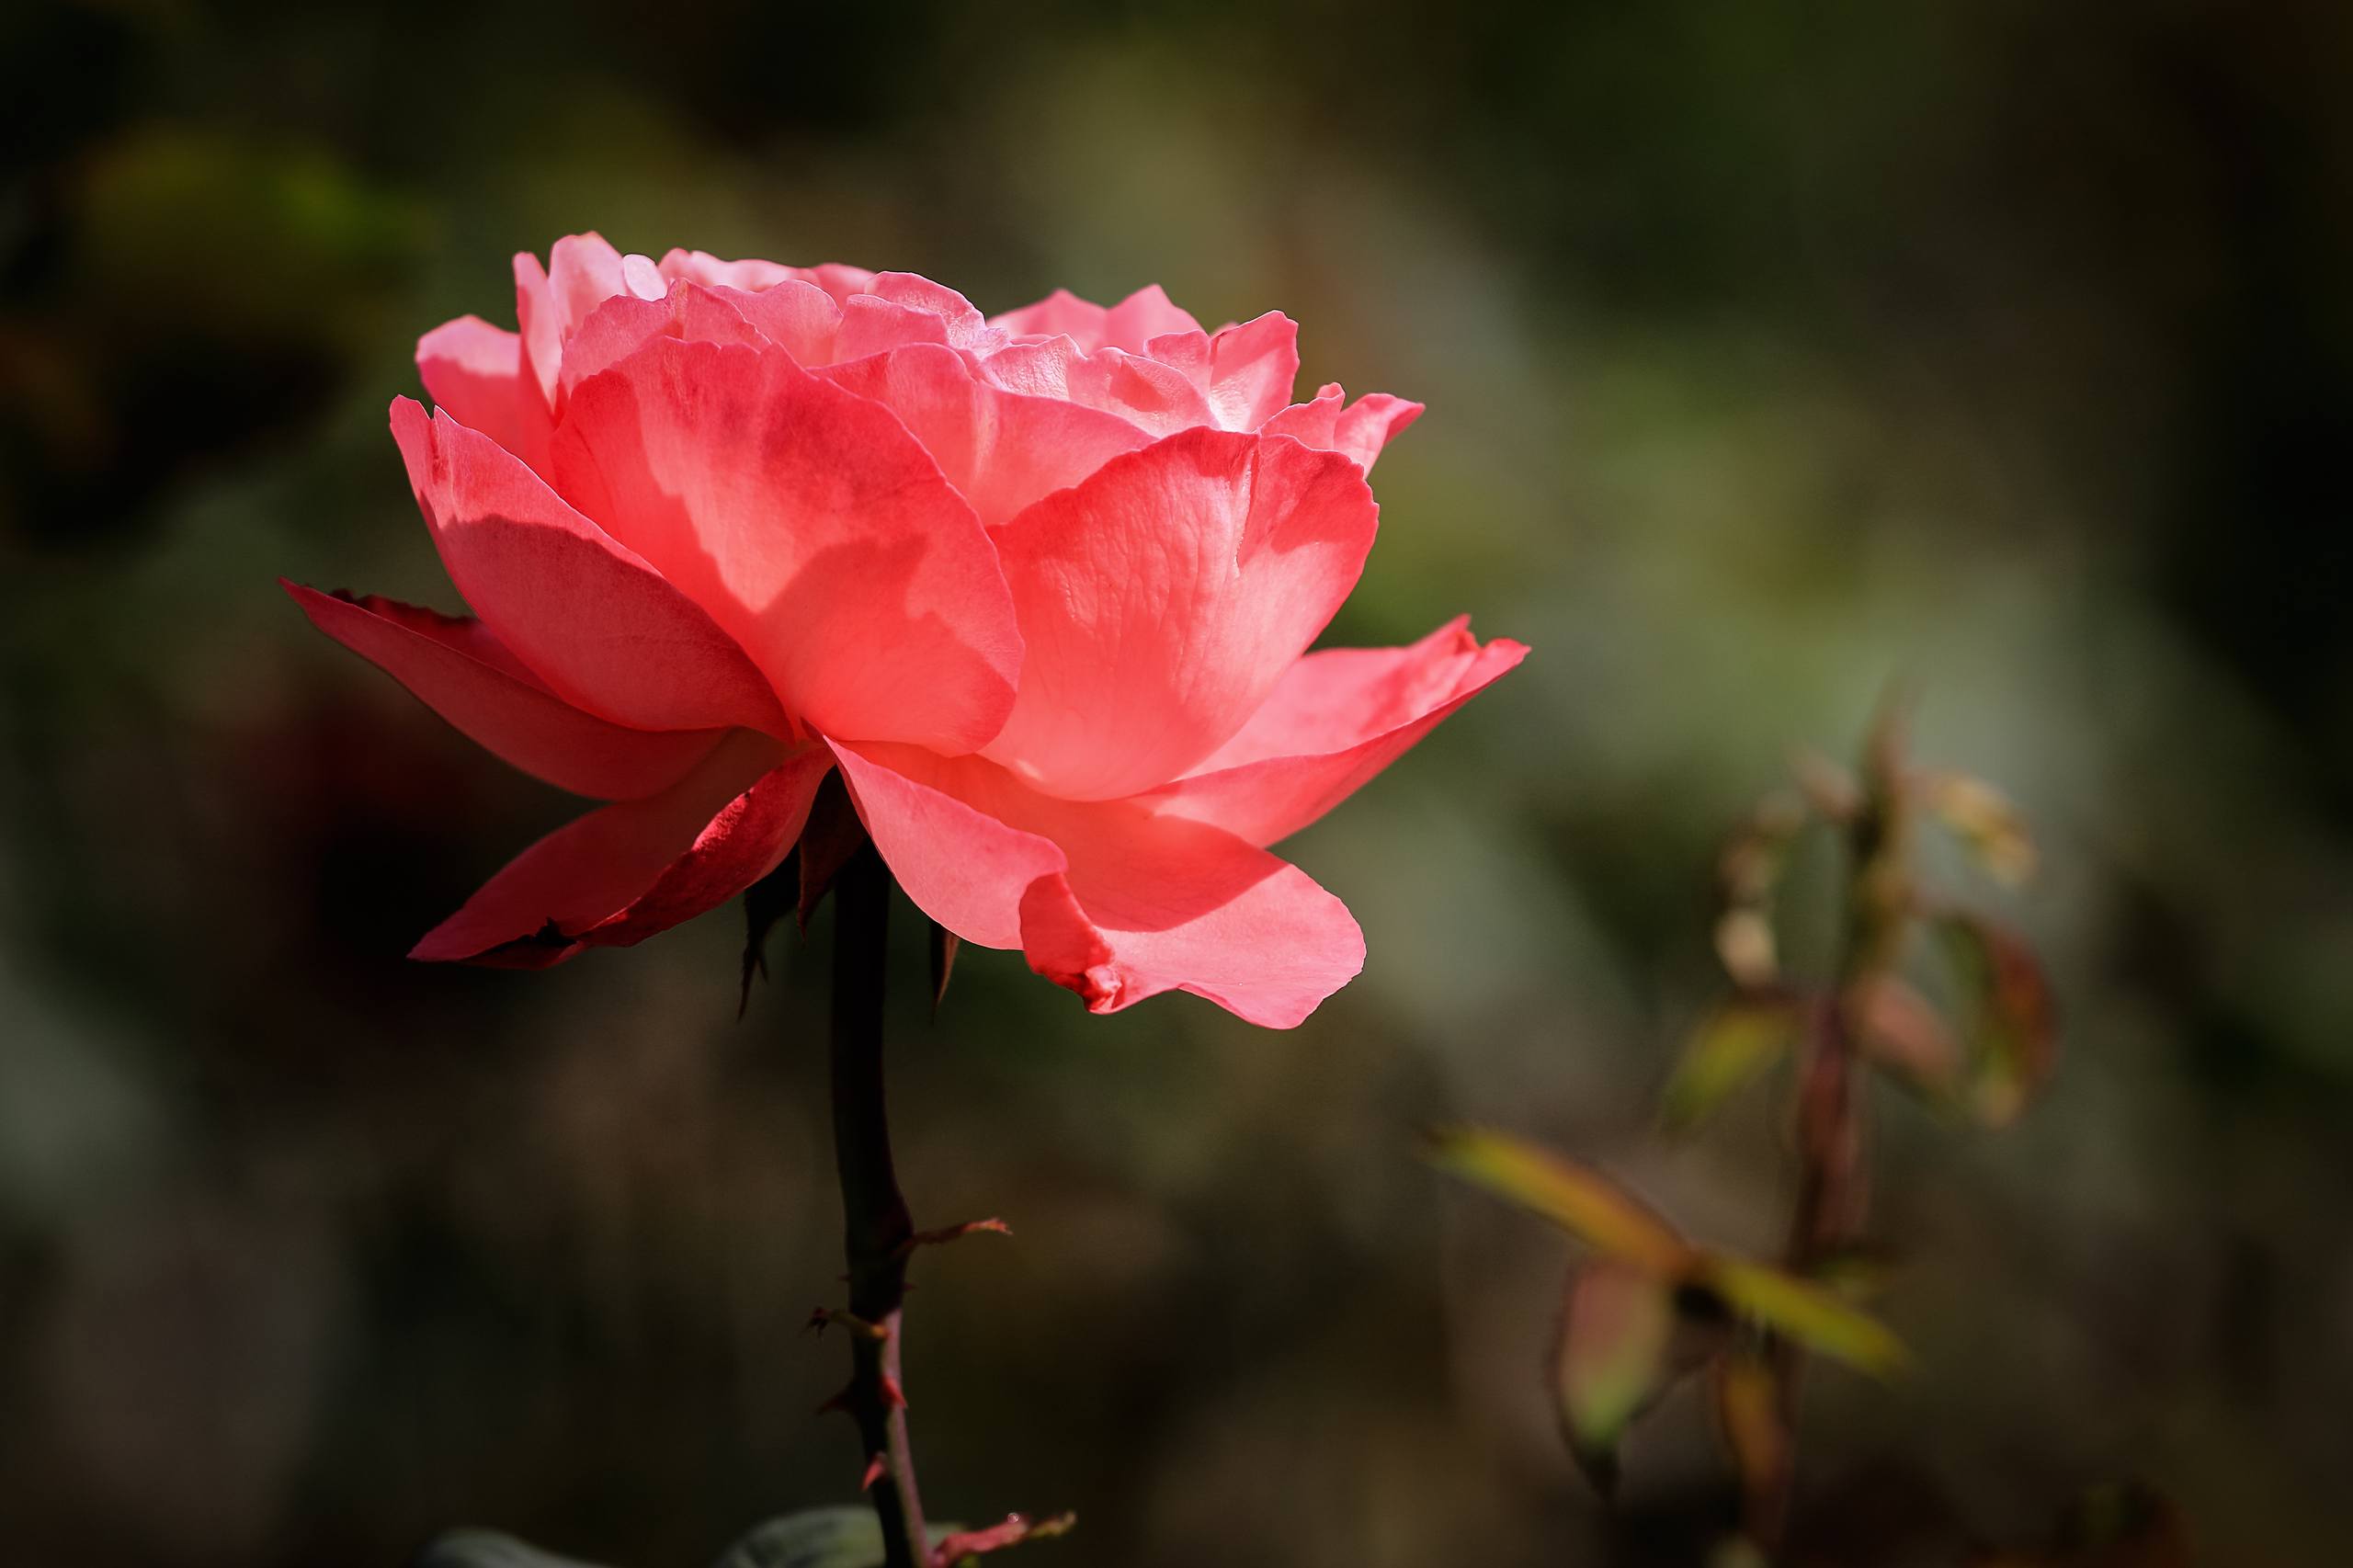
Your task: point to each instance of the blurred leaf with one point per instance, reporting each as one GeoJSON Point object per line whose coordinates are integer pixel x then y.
{"type": "Point", "coordinates": [841, 1536]}
{"type": "Point", "coordinates": [1898, 1030]}
{"type": "Point", "coordinates": [1984, 819]}
{"type": "Point", "coordinates": [1855, 1273]}
{"type": "Point", "coordinates": [1736, 1042]}
{"type": "Point", "coordinates": [1808, 1313]}
{"type": "Point", "coordinates": [488, 1548]}
{"type": "Point", "coordinates": [1748, 1414]}
{"type": "Point", "coordinates": [1578, 1199]}
{"type": "Point", "coordinates": [2012, 1025]}
{"type": "Point", "coordinates": [1833, 793]}
{"type": "Point", "coordinates": [1611, 1360]}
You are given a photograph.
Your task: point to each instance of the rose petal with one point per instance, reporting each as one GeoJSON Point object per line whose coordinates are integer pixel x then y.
{"type": "Point", "coordinates": [1060, 314]}
{"type": "Point", "coordinates": [622, 872]}
{"type": "Point", "coordinates": [456, 667]}
{"type": "Point", "coordinates": [480, 373]}
{"type": "Point", "coordinates": [966, 329]}
{"type": "Point", "coordinates": [798, 317]}
{"type": "Point", "coordinates": [808, 524]}
{"type": "Point", "coordinates": [1155, 398]}
{"type": "Point", "coordinates": [1000, 449]}
{"type": "Point", "coordinates": [1165, 596]}
{"type": "Point", "coordinates": [837, 281]}
{"type": "Point", "coordinates": [1334, 719]}
{"type": "Point", "coordinates": [591, 620]}
{"type": "Point", "coordinates": [542, 325]}
{"type": "Point", "coordinates": [1143, 316]}
{"type": "Point", "coordinates": [1357, 431]}
{"type": "Point", "coordinates": [1104, 898]}
{"type": "Point", "coordinates": [1252, 368]}
{"type": "Point", "coordinates": [624, 324]}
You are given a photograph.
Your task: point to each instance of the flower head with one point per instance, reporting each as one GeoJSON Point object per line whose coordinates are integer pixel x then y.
{"type": "Point", "coordinates": [1041, 586]}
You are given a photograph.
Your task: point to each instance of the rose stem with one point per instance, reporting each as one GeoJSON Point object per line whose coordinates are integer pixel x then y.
{"type": "Point", "coordinates": [877, 1230]}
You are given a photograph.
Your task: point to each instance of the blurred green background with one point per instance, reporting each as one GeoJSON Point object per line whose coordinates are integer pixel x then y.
{"type": "Point", "coordinates": [1772, 352]}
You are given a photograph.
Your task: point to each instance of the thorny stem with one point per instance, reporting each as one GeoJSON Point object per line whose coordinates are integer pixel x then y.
{"type": "Point", "coordinates": [876, 1227]}
{"type": "Point", "coordinates": [1833, 1183]}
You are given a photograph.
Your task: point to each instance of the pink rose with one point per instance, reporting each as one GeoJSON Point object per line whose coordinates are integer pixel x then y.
{"type": "Point", "coordinates": [1041, 584]}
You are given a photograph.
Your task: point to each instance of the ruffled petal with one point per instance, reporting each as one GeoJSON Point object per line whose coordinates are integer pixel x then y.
{"type": "Point", "coordinates": [965, 329]}
{"type": "Point", "coordinates": [1252, 368]}
{"type": "Point", "coordinates": [812, 527]}
{"type": "Point", "coordinates": [481, 374]}
{"type": "Point", "coordinates": [1334, 719]}
{"type": "Point", "coordinates": [456, 667]}
{"type": "Point", "coordinates": [796, 315]}
{"type": "Point", "coordinates": [1106, 898]}
{"type": "Point", "coordinates": [1060, 314]}
{"type": "Point", "coordinates": [622, 872]}
{"type": "Point", "coordinates": [1157, 398]}
{"type": "Point", "coordinates": [1165, 597]}
{"type": "Point", "coordinates": [587, 617]}
{"type": "Point", "coordinates": [624, 324]}
{"type": "Point", "coordinates": [1143, 316]}
{"type": "Point", "coordinates": [833, 278]}
{"type": "Point", "coordinates": [1358, 431]}
{"type": "Point", "coordinates": [1001, 450]}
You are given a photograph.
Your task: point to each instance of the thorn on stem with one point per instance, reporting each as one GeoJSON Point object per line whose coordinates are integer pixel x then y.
{"type": "Point", "coordinates": [935, 1238]}
{"type": "Point", "coordinates": [821, 1318]}
{"type": "Point", "coordinates": [1013, 1531]}
{"type": "Point", "coordinates": [893, 1396]}
{"type": "Point", "coordinates": [875, 1469]}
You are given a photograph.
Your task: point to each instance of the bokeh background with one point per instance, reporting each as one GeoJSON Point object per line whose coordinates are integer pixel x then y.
{"type": "Point", "coordinates": [1773, 353]}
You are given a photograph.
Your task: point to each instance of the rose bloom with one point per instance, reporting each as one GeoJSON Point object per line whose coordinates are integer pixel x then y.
{"type": "Point", "coordinates": [1042, 586]}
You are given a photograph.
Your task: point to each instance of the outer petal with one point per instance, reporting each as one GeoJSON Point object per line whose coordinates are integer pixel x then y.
{"type": "Point", "coordinates": [1334, 719]}
{"type": "Point", "coordinates": [621, 874]}
{"type": "Point", "coordinates": [1104, 898]}
{"type": "Point", "coordinates": [1165, 597]}
{"type": "Point", "coordinates": [1001, 450]}
{"type": "Point", "coordinates": [813, 527]}
{"type": "Point", "coordinates": [480, 373]}
{"type": "Point", "coordinates": [592, 620]}
{"type": "Point", "coordinates": [458, 668]}
{"type": "Point", "coordinates": [1357, 431]}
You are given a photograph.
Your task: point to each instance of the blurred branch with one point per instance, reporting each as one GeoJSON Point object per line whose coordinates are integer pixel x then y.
{"type": "Point", "coordinates": [1834, 1181]}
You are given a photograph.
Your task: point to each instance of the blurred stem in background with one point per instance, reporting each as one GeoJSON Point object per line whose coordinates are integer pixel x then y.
{"type": "Point", "coordinates": [1648, 1305]}
{"type": "Point", "coordinates": [1833, 1180]}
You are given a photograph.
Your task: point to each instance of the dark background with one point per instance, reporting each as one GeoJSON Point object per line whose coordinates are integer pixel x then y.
{"type": "Point", "coordinates": [1772, 352]}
